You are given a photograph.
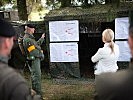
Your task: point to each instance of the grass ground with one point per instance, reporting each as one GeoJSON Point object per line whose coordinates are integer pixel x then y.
{"type": "Point", "coordinates": [78, 91]}
{"type": "Point", "coordinates": [70, 89]}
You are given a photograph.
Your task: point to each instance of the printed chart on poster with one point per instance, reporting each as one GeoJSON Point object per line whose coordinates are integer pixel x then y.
{"type": "Point", "coordinates": [121, 28]}
{"type": "Point", "coordinates": [64, 52]}
{"type": "Point", "coordinates": [64, 30]}
{"type": "Point", "coordinates": [124, 51]}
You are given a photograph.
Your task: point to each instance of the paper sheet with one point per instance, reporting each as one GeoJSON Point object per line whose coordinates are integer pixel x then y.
{"type": "Point", "coordinates": [121, 28]}
{"type": "Point", "coordinates": [124, 51]}
{"type": "Point", "coordinates": [64, 30]}
{"type": "Point", "coordinates": [64, 52]}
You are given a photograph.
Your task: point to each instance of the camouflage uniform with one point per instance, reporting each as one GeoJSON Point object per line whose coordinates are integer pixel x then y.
{"type": "Point", "coordinates": [35, 55]}
{"type": "Point", "coordinates": [12, 85]}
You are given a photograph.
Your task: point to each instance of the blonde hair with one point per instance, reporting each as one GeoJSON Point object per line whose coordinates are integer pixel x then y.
{"type": "Point", "coordinates": [108, 37]}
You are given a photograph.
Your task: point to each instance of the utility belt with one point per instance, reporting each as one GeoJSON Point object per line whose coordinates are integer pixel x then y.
{"type": "Point", "coordinates": [32, 57]}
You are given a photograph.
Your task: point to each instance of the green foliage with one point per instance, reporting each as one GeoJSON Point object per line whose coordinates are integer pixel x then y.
{"type": "Point", "coordinates": [85, 3]}
{"type": "Point", "coordinates": [54, 5]}
{"type": "Point", "coordinates": [49, 2]}
{"type": "Point", "coordinates": [14, 7]}
{"type": "Point", "coordinates": [116, 2]}
{"type": "Point", "coordinates": [66, 3]}
{"type": "Point", "coordinates": [40, 8]}
{"type": "Point", "coordinates": [2, 2]}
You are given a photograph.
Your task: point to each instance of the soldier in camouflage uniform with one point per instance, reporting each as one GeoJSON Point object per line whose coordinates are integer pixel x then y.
{"type": "Point", "coordinates": [34, 55]}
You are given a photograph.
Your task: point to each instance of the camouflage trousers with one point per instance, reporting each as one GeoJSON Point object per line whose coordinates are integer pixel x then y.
{"type": "Point", "coordinates": [36, 76]}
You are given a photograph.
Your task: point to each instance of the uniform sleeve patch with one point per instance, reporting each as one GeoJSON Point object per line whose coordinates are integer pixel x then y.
{"type": "Point", "coordinates": [31, 48]}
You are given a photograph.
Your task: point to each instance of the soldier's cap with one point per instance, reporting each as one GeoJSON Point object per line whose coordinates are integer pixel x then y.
{"type": "Point", "coordinates": [6, 29]}
{"type": "Point", "coordinates": [30, 25]}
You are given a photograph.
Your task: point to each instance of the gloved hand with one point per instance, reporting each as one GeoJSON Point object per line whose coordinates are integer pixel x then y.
{"type": "Point", "coordinates": [42, 56]}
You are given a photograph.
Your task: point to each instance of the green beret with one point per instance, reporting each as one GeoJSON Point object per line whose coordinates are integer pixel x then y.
{"type": "Point", "coordinates": [6, 29]}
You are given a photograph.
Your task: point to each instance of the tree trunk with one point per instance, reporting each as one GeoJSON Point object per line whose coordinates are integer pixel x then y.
{"type": "Point", "coordinates": [131, 18]}
{"type": "Point", "coordinates": [65, 3]}
{"type": "Point", "coordinates": [112, 1]}
{"type": "Point", "coordinates": [86, 2]}
{"type": "Point", "coordinates": [1, 4]}
{"type": "Point", "coordinates": [107, 1]}
{"type": "Point", "coordinates": [22, 10]}
{"type": "Point", "coordinates": [96, 2]}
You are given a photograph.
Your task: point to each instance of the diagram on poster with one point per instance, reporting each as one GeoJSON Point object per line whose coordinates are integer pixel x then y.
{"type": "Point", "coordinates": [64, 30]}
{"type": "Point", "coordinates": [121, 28]}
{"type": "Point", "coordinates": [64, 52]}
{"type": "Point", "coordinates": [124, 51]}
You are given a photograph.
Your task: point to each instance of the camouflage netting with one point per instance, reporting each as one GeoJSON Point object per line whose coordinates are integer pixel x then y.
{"type": "Point", "coordinates": [65, 70]}
{"type": "Point", "coordinates": [98, 13]}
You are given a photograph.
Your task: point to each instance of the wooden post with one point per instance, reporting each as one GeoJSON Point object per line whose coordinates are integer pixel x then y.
{"type": "Point", "coordinates": [131, 18]}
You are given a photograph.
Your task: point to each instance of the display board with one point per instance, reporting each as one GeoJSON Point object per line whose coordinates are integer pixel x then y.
{"type": "Point", "coordinates": [64, 52]}
{"type": "Point", "coordinates": [121, 28]}
{"type": "Point", "coordinates": [64, 30]}
{"type": "Point", "coordinates": [121, 32]}
{"type": "Point", "coordinates": [125, 54]}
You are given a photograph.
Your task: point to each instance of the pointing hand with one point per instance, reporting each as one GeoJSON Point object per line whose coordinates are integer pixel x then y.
{"type": "Point", "coordinates": [43, 35]}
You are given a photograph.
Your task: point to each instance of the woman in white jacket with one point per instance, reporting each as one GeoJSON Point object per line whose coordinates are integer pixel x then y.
{"type": "Point", "coordinates": [106, 57]}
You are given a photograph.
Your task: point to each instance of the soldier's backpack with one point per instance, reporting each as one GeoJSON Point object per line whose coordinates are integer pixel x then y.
{"type": "Point", "coordinates": [21, 46]}
{"type": "Point", "coordinates": [23, 49]}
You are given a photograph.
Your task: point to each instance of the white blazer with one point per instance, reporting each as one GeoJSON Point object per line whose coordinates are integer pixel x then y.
{"type": "Point", "coordinates": [106, 61]}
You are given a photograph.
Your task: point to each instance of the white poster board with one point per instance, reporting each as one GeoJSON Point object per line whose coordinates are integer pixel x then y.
{"type": "Point", "coordinates": [64, 30]}
{"type": "Point", "coordinates": [64, 52]}
{"type": "Point", "coordinates": [121, 28]}
{"type": "Point", "coordinates": [125, 54]}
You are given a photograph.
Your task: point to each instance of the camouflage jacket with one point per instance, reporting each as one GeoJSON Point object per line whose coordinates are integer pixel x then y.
{"type": "Point", "coordinates": [32, 47]}
{"type": "Point", "coordinates": [12, 85]}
